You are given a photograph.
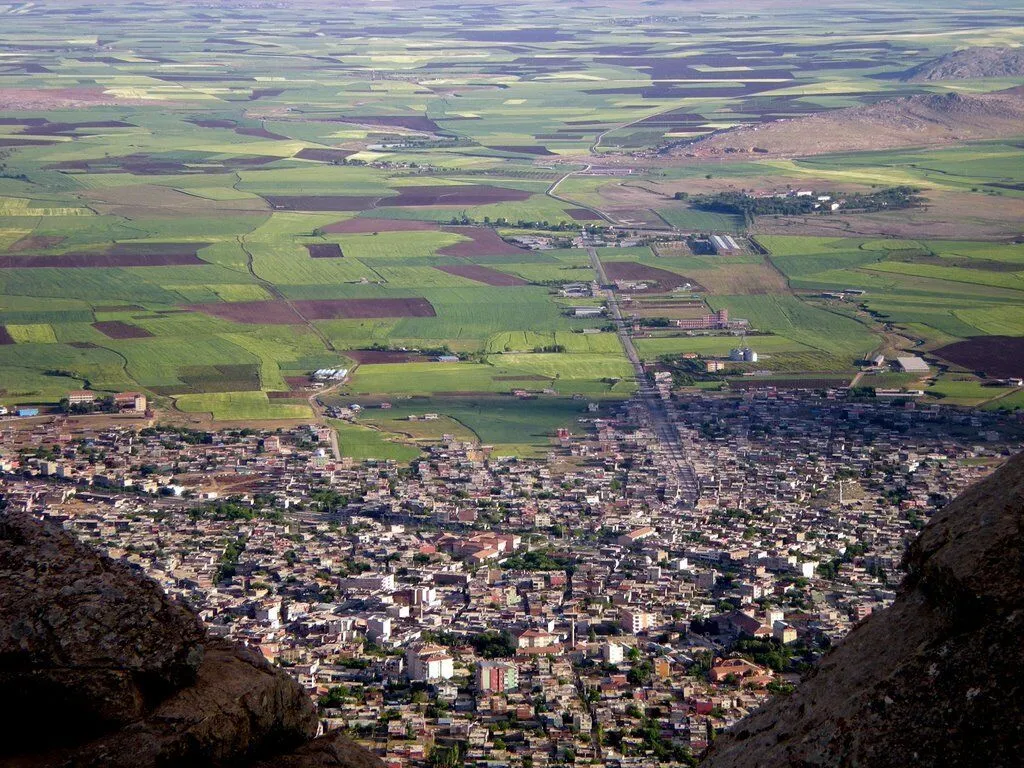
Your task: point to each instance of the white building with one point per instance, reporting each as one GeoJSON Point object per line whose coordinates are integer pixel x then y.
{"type": "Point", "coordinates": [378, 628]}
{"type": "Point", "coordinates": [911, 364]}
{"type": "Point", "coordinates": [635, 621]}
{"type": "Point", "coordinates": [426, 663]}
{"type": "Point", "coordinates": [369, 582]}
{"type": "Point", "coordinates": [612, 653]}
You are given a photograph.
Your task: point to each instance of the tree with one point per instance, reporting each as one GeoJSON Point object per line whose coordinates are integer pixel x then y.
{"type": "Point", "coordinates": [641, 673]}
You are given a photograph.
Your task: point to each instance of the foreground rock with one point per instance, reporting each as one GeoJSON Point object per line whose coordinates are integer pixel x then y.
{"type": "Point", "coordinates": [970, 64]}
{"type": "Point", "coordinates": [99, 668]}
{"type": "Point", "coordinates": [933, 681]}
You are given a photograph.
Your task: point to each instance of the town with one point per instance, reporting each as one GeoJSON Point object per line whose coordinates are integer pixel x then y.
{"type": "Point", "coordinates": [472, 609]}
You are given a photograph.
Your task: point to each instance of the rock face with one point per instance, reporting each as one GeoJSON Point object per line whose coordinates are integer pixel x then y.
{"type": "Point", "coordinates": [936, 679]}
{"type": "Point", "coordinates": [99, 668]}
{"type": "Point", "coordinates": [969, 64]}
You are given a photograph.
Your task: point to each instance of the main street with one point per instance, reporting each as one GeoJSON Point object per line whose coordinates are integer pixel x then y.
{"type": "Point", "coordinates": [679, 471]}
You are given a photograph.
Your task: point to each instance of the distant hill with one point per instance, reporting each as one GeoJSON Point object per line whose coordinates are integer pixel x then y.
{"type": "Point", "coordinates": [923, 120]}
{"type": "Point", "coordinates": [969, 64]}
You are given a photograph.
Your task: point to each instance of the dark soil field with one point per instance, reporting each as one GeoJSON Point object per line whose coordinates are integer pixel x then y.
{"type": "Point", "coordinates": [320, 202]}
{"type": "Point", "coordinates": [582, 214]}
{"type": "Point", "coordinates": [333, 309]}
{"type": "Point", "coordinates": [324, 250]}
{"type": "Point", "coordinates": [280, 313]}
{"type": "Point", "coordinates": [1001, 356]}
{"type": "Point", "coordinates": [115, 329]}
{"type": "Point", "coordinates": [260, 133]}
{"type": "Point", "coordinates": [485, 242]}
{"type": "Point", "coordinates": [265, 93]}
{"type": "Point", "coordinates": [462, 194]}
{"type": "Point", "coordinates": [5, 337]}
{"type": "Point", "coordinates": [482, 274]}
{"type": "Point", "coordinates": [143, 164]}
{"type": "Point", "coordinates": [124, 255]}
{"type": "Point", "coordinates": [252, 312]}
{"type": "Point", "coordinates": [412, 123]}
{"type": "Point", "coordinates": [661, 279]}
{"type": "Point", "coordinates": [324, 155]}
{"type": "Point", "coordinates": [361, 226]}
{"type": "Point", "coordinates": [525, 149]}
{"type": "Point", "coordinates": [381, 356]}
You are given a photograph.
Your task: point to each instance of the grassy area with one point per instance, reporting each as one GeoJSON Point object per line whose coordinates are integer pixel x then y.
{"type": "Point", "coordinates": [359, 442]}
{"type": "Point", "coordinates": [510, 425]}
{"type": "Point", "coordinates": [241, 406]}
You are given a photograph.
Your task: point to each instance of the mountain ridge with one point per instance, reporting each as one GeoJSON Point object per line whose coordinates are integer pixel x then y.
{"type": "Point", "coordinates": [969, 64]}
{"type": "Point", "coordinates": [922, 120]}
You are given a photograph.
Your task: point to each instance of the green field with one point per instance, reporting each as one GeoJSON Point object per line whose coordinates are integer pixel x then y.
{"type": "Point", "coordinates": [241, 406]}
{"type": "Point", "coordinates": [510, 425]}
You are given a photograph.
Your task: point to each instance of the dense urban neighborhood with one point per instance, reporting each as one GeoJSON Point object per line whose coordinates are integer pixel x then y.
{"type": "Point", "coordinates": [500, 611]}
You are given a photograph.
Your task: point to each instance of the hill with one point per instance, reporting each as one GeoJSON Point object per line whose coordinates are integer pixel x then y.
{"type": "Point", "coordinates": [100, 668]}
{"type": "Point", "coordinates": [932, 681]}
{"type": "Point", "coordinates": [969, 64]}
{"type": "Point", "coordinates": [923, 120]}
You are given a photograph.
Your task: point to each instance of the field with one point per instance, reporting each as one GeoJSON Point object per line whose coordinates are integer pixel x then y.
{"type": "Point", "coordinates": [207, 202]}
{"type": "Point", "coordinates": [511, 426]}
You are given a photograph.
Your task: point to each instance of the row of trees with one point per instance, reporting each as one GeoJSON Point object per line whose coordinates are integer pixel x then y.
{"type": "Point", "coordinates": [740, 203]}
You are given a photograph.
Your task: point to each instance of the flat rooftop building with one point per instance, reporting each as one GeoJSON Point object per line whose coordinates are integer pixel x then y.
{"type": "Point", "coordinates": [912, 365]}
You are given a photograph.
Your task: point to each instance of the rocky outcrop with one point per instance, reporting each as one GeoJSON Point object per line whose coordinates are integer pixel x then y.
{"type": "Point", "coordinates": [969, 64]}
{"type": "Point", "coordinates": [99, 668]}
{"type": "Point", "coordinates": [935, 680]}
{"type": "Point", "coordinates": [914, 121]}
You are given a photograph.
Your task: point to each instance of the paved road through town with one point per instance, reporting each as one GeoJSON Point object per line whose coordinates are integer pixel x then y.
{"type": "Point", "coordinates": [680, 472]}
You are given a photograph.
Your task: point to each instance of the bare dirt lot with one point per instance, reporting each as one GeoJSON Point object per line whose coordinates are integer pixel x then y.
{"type": "Point", "coordinates": [462, 194]}
{"type": "Point", "coordinates": [482, 274]}
{"type": "Point", "coordinates": [281, 313]}
{"type": "Point", "coordinates": [741, 279]}
{"type": "Point", "coordinates": [41, 99]}
{"type": "Point", "coordinates": [118, 256]}
{"type": "Point", "coordinates": [116, 329]}
{"type": "Point", "coordinates": [658, 280]}
{"type": "Point", "coordinates": [484, 241]}
{"type": "Point", "coordinates": [324, 250]}
{"type": "Point", "coordinates": [1001, 356]}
